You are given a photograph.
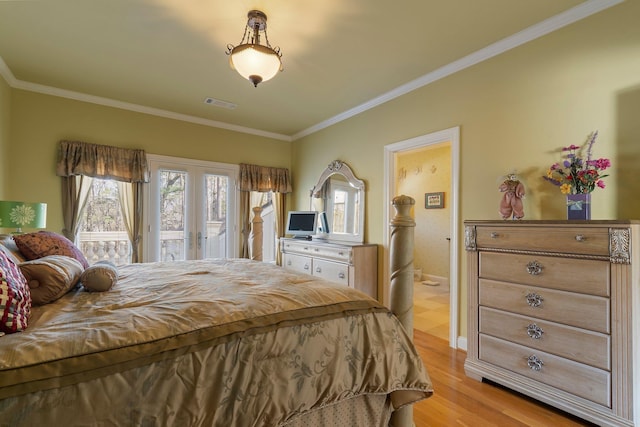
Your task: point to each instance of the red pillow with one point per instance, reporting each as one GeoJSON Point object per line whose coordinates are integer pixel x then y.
{"type": "Point", "coordinates": [43, 243]}
{"type": "Point", "coordinates": [15, 299]}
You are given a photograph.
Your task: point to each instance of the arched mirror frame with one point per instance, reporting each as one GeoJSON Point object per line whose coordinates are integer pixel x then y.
{"type": "Point", "coordinates": [338, 167]}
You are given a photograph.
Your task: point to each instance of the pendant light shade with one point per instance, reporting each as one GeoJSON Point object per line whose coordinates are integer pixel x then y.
{"type": "Point", "coordinates": [252, 60]}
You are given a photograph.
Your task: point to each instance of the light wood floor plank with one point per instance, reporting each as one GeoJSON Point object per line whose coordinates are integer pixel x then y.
{"type": "Point", "coordinates": [461, 401]}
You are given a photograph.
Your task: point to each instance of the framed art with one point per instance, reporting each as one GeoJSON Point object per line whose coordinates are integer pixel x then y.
{"type": "Point", "coordinates": [434, 200]}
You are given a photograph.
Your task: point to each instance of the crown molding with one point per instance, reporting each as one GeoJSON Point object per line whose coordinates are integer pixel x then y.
{"type": "Point", "coordinates": [533, 32]}
{"type": "Point", "coordinates": [6, 73]}
{"type": "Point", "coordinates": [78, 96]}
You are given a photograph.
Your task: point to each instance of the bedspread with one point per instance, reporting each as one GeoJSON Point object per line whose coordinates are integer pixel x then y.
{"type": "Point", "coordinates": [252, 343]}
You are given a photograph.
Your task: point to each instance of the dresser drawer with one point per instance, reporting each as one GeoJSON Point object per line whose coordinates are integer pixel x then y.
{"type": "Point", "coordinates": [299, 247]}
{"type": "Point", "coordinates": [580, 310]}
{"type": "Point", "coordinates": [299, 263]}
{"type": "Point", "coordinates": [575, 275]}
{"type": "Point", "coordinates": [581, 380]}
{"type": "Point", "coordinates": [571, 240]}
{"type": "Point", "coordinates": [343, 254]}
{"type": "Point", "coordinates": [331, 271]}
{"type": "Point", "coordinates": [581, 345]}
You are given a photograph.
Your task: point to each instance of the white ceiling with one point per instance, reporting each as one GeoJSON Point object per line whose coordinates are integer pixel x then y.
{"type": "Point", "coordinates": [340, 57]}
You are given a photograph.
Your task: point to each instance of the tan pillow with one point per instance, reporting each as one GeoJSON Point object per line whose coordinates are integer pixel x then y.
{"type": "Point", "coordinates": [100, 277]}
{"type": "Point", "coordinates": [51, 277]}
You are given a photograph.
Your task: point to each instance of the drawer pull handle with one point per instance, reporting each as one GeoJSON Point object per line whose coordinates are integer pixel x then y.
{"type": "Point", "coordinates": [341, 275]}
{"type": "Point", "coordinates": [341, 253]}
{"type": "Point", "coordinates": [580, 238]}
{"type": "Point", "coordinates": [318, 270]}
{"type": "Point", "coordinates": [534, 268]}
{"type": "Point", "coordinates": [316, 249]}
{"type": "Point", "coordinates": [306, 266]}
{"type": "Point", "coordinates": [535, 363]}
{"type": "Point", "coordinates": [289, 262]}
{"type": "Point", "coordinates": [494, 235]}
{"type": "Point", "coordinates": [306, 248]}
{"type": "Point", "coordinates": [534, 331]}
{"type": "Point", "coordinates": [534, 300]}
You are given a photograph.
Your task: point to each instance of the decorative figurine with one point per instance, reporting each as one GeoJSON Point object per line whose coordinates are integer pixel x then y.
{"type": "Point", "coordinates": [511, 203]}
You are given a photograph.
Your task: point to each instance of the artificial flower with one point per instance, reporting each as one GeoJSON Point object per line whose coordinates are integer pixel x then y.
{"type": "Point", "coordinates": [577, 175]}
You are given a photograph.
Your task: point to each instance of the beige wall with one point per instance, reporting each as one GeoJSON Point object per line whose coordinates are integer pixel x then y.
{"type": "Point", "coordinates": [514, 111]}
{"type": "Point", "coordinates": [5, 108]}
{"type": "Point", "coordinates": [39, 121]}
{"type": "Point", "coordinates": [421, 171]}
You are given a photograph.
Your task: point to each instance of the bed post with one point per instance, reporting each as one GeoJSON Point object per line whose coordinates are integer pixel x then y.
{"type": "Point", "coordinates": [401, 268]}
{"type": "Point", "coordinates": [255, 237]}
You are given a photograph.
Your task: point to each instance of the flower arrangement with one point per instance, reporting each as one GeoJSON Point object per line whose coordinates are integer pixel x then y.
{"type": "Point", "coordinates": [577, 175]}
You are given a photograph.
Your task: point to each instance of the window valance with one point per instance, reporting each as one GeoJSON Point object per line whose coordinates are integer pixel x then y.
{"type": "Point", "coordinates": [102, 161]}
{"type": "Point", "coordinates": [264, 178]}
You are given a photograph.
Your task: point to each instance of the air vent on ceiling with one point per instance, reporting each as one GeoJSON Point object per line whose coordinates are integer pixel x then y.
{"type": "Point", "coordinates": [220, 103]}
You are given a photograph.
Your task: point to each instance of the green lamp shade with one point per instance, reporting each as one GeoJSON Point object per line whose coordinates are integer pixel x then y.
{"type": "Point", "coordinates": [21, 214]}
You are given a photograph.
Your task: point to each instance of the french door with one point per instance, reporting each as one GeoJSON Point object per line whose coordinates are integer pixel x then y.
{"type": "Point", "coordinates": [191, 210]}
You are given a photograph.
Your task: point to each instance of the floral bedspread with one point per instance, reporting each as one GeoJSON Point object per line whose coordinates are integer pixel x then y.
{"type": "Point", "coordinates": [213, 342]}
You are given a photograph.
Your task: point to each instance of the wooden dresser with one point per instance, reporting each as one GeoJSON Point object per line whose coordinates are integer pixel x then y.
{"type": "Point", "coordinates": [354, 265]}
{"type": "Point", "coordinates": [553, 313]}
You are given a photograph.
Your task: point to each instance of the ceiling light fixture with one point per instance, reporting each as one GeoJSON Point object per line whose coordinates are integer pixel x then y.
{"type": "Point", "coordinates": [252, 60]}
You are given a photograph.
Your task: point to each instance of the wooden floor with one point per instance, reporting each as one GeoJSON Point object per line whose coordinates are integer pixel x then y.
{"type": "Point", "coordinates": [461, 401]}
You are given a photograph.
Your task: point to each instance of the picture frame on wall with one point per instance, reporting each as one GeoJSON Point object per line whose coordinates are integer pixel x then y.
{"type": "Point", "coordinates": [434, 200]}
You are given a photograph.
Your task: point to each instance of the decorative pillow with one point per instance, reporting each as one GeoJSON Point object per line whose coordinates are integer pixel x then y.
{"type": "Point", "coordinates": [9, 246]}
{"type": "Point", "coordinates": [51, 277]}
{"type": "Point", "coordinates": [100, 277]}
{"type": "Point", "coordinates": [43, 243]}
{"type": "Point", "coordinates": [15, 299]}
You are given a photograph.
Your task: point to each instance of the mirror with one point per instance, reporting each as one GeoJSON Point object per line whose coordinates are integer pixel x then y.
{"type": "Point", "coordinates": [341, 195]}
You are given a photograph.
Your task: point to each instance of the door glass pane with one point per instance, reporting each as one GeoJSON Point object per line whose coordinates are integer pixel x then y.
{"type": "Point", "coordinates": [215, 239]}
{"type": "Point", "coordinates": [173, 238]}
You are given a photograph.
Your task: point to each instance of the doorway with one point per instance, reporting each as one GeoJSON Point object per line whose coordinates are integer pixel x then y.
{"type": "Point", "coordinates": [190, 213]}
{"type": "Point", "coordinates": [445, 234]}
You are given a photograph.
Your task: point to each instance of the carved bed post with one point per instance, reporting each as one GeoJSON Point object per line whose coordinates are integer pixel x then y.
{"type": "Point", "coordinates": [401, 268]}
{"type": "Point", "coordinates": [255, 237]}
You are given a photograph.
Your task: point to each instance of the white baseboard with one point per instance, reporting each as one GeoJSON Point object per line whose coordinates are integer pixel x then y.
{"type": "Point", "coordinates": [462, 343]}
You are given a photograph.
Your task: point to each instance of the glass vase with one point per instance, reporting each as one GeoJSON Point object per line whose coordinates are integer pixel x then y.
{"type": "Point", "coordinates": [579, 206]}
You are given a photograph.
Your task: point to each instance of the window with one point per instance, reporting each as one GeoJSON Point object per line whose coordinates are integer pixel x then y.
{"type": "Point", "coordinates": [191, 210]}
{"type": "Point", "coordinates": [103, 234]}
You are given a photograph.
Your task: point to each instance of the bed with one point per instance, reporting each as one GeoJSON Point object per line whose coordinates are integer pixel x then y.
{"type": "Point", "coordinates": [210, 343]}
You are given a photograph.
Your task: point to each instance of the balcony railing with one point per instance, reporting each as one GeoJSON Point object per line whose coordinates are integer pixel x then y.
{"type": "Point", "coordinates": [108, 246]}
{"type": "Point", "coordinates": [115, 246]}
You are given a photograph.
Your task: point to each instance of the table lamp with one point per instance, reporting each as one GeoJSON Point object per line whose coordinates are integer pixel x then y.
{"type": "Point", "coordinates": [22, 214]}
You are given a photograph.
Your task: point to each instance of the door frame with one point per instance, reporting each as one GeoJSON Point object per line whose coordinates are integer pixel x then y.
{"type": "Point", "coordinates": [452, 136]}
{"type": "Point", "coordinates": [179, 163]}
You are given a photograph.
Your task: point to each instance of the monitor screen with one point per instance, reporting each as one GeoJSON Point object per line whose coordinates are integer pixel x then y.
{"type": "Point", "coordinates": [302, 223]}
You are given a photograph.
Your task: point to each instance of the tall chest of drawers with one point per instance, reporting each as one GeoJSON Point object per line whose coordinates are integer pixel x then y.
{"type": "Point", "coordinates": [554, 313]}
{"type": "Point", "coordinates": [354, 265]}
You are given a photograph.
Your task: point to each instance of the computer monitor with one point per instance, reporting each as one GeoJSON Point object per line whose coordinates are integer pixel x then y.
{"type": "Point", "coordinates": [302, 224]}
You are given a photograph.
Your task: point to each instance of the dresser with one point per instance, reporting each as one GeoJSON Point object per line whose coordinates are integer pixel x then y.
{"type": "Point", "coordinates": [354, 265]}
{"type": "Point", "coordinates": [553, 313]}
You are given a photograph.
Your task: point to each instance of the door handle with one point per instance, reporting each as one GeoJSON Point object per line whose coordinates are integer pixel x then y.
{"type": "Point", "coordinates": [199, 240]}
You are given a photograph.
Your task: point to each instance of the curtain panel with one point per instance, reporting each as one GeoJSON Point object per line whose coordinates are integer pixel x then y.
{"type": "Point", "coordinates": [262, 179]}
{"type": "Point", "coordinates": [102, 161]}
